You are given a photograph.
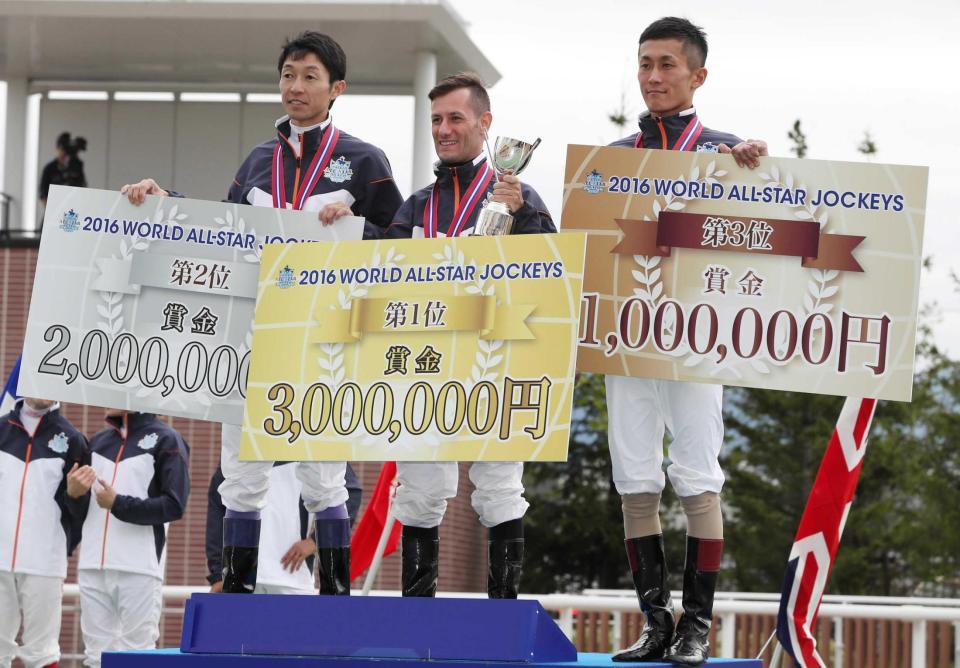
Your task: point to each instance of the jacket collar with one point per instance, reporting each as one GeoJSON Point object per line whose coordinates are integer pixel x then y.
{"type": "Point", "coordinates": [15, 413]}
{"type": "Point", "coordinates": [464, 171]}
{"type": "Point", "coordinates": [310, 138]}
{"type": "Point", "coordinates": [134, 421]}
{"type": "Point", "coordinates": [673, 126]}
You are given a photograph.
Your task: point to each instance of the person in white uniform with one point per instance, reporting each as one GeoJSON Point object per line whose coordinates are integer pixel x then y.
{"type": "Point", "coordinates": [312, 69]}
{"type": "Point", "coordinates": [142, 484]}
{"type": "Point", "coordinates": [672, 57]}
{"type": "Point", "coordinates": [42, 506]}
{"type": "Point", "coordinates": [460, 118]}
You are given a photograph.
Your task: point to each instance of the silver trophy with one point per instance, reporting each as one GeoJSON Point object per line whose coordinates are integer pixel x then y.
{"type": "Point", "coordinates": [509, 156]}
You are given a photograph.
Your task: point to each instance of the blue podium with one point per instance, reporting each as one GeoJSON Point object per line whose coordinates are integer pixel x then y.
{"type": "Point", "coordinates": [368, 632]}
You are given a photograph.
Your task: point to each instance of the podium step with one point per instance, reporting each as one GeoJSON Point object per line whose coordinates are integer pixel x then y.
{"type": "Point", "coordinates": [174, 658]}
{"type": "Point", "coordinates": [369, 632]}
{"type": "Point", "coordinates": [373, 627]}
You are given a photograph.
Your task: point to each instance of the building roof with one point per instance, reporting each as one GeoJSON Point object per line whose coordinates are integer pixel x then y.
{"type": "Point", "coordinates": [228, 44]}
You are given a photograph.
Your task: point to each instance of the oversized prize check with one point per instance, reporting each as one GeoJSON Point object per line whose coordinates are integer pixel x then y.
{"type": "Point", "coordinates": [798, 275]}
{"type": "Point", "coordinates": [150, 308]}
{"type": "Point", "coordinates": [418, 349]}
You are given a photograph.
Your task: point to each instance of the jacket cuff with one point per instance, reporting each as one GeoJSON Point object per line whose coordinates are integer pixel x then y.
{"type": "Point", "coordinates": [119, 506]}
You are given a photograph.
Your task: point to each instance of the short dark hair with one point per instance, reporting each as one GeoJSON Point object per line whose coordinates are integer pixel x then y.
{"type": "Point", "coordinates": [324, 47]}
{"type": "Point", "coordinates": [693, 37]}
{"type": "Point", "coordinates": [63, 140]}
{"type": "Point", "coordinates": [479, 99]}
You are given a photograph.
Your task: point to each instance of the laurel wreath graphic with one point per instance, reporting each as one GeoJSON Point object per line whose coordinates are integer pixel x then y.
{"type": "Point", "coordinates": [648, 276]}
{"type": "Point", "coordinates": [817, 290]}
{"type": "Point", "coordinates": [239, 226]}
{"type": "Point", "coordinates": [331, 358]}
{"type": "Point", "coordinates": [111, 310]}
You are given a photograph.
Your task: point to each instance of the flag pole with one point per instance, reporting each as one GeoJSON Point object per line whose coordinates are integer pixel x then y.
{"type": "Point", "coordinates": [381, 548]}
{"type": "Point", "coordinates": [777, 656]}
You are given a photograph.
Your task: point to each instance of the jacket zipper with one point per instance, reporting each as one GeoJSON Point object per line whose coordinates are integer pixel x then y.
{"type": "Point", "coordinates": [296, 179]}
{"type": "Point", "coordinates": [23, 484]}
{"type": "Point", "coordinates": [116, 465]}
{"type": "Point", "coordinates": [663, 133]}
{"type": "Point", "coordinates": [456, 190]}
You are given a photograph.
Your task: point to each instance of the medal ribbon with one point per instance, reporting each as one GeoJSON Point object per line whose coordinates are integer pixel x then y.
{"type": "Point", "coordinates": [479, 184]}
{"type": "Point", "coordinates": [319, 163]}
{"type": "Point", "coordinates": [687, 139]}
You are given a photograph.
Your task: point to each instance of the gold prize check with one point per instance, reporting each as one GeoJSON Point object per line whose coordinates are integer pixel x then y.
{"type": "Point", "coordinates": [415, 350]}
{"type": "Point", "coordinates": [798, 275]}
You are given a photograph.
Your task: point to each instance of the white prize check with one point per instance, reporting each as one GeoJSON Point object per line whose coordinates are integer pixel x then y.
{"type": "Point", "coordinates": [150, 307]}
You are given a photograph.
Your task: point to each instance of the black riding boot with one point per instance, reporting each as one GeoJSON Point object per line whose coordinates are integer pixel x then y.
{"type": "Point", "coordinates": [241, 538]}
{"type": "Point", "coordinates": [691, 645]}
{"type": "Point", "coordinates": [333, 555]}
{"type": "Point", "coordinates": [505, 559]}
{"type": "Point", "coordinates": [648, 564]}
{"type": "Point", "coordinates": [421, 553]}
{"type": "Point", "coordinates": [333, 565]}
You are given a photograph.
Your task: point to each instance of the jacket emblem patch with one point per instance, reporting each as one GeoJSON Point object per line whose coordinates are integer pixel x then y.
{"type": "Point", "coordinates": [339, 170]}
{"type": "Point", "coordinates": [148, 442]}
{"type": "Point", "coordinates": [58, 443]}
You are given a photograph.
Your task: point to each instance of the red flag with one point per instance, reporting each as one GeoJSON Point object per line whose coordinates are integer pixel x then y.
{"type": "Point", "coordinates": [363, 544]}
{"type": "Point", "coordinates": [821, 528]}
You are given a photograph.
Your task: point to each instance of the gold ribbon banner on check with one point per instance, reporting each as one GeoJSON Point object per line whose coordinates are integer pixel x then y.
{"type": "Point", "coordinates": [474, 313]}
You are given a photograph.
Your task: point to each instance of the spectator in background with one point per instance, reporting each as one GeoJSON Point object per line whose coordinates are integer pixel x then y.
{"type": "Point", "coordinates": [42, 506]}
{"type": "Point", "coordinates": [287, 544]}
{"type": "Point", "coordinates": [67, 168]}
{"type": "Point", "coordinates": [142, 483]}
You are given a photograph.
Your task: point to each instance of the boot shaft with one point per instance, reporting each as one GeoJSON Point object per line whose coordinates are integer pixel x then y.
{"type": "Point", "coordinates": [420, 567]}
{"type": "Point", "coordinates": [700, 571]}
{"type": "Point", "coordinates": [239, 569]}
{"type": "Point", "coordinates": [691, 646]}
{"type": "Point", "coordinates": [504, 567]}
{"type": "Point", "coordinates": [648, 568]}
{"type": "Point", "coordinates": [333, 567]}
{"type": "Point", "coordinates": [241, 540]}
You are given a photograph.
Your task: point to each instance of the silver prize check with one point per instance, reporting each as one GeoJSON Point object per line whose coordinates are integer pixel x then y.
{"type": "Point", "coordinates": [150, 308]}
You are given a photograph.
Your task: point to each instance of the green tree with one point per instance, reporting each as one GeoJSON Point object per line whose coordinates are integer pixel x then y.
{"type": "Point", "coordinates": [620, 116]}
{"type": "Point", "coordinates": [867, 147]}
{"type": "Point", "coordinates": [799, 140]}
{"type": "Point", "coordinates": [573, 528]}
{"type": "Point", "coordinates": [902, 527]}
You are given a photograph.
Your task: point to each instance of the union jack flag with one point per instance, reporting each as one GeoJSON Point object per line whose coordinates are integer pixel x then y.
{"type": "Point", "coordinates": [9, 395]}
{"type": "Point", "coordinates": [821, 527]}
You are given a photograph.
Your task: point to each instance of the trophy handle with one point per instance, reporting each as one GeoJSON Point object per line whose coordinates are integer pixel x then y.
{"type": "Point", "coordinates": [523, 165]}
{"type": "Point", "coordinates": [490, 155]}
